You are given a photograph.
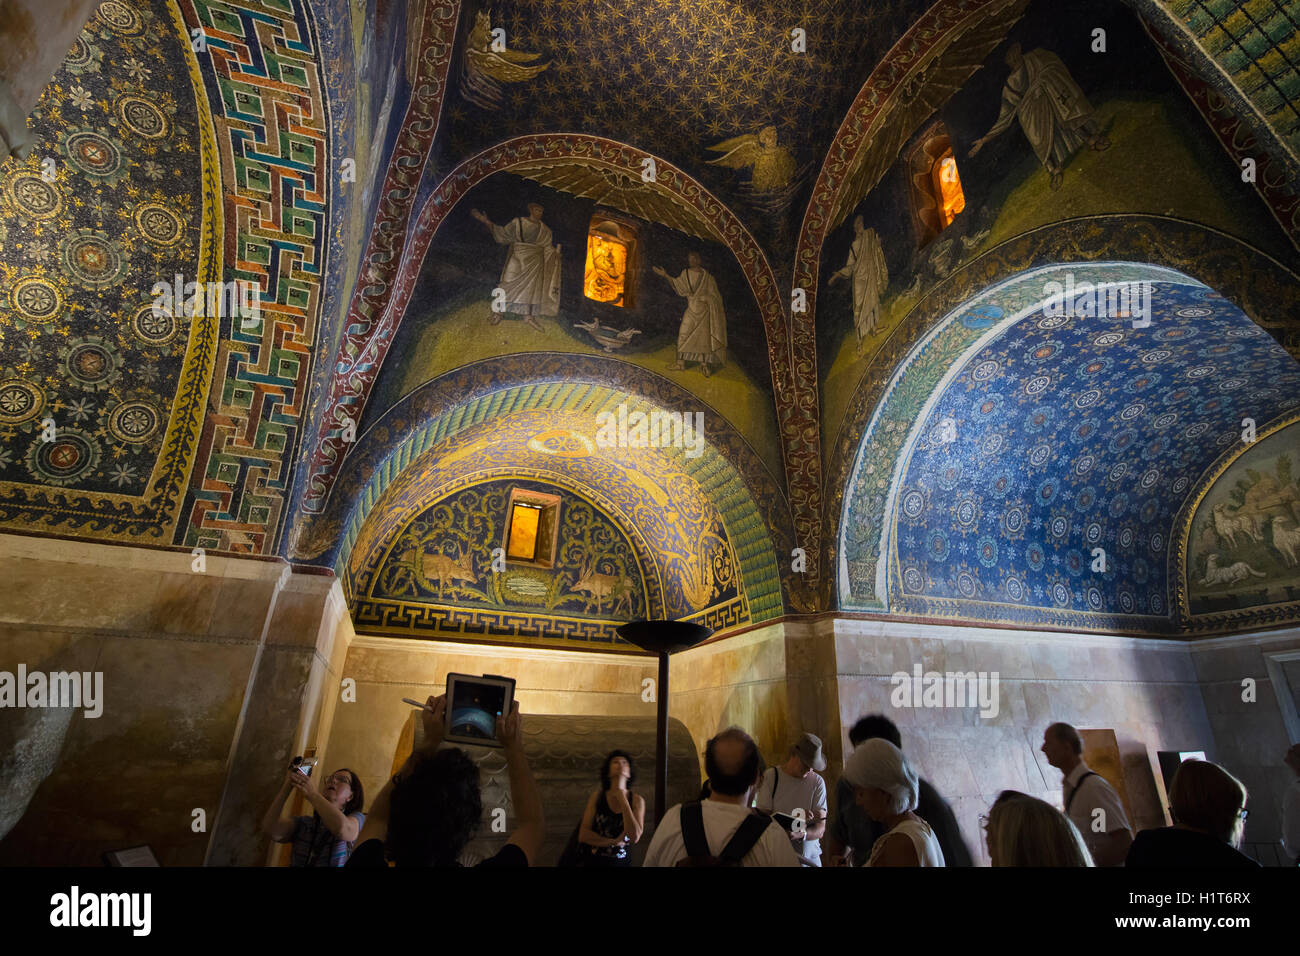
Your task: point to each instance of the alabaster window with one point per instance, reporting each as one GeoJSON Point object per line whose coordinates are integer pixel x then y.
{"type": "Point", "coordinates": [532, 520]}
{"type": "Point", "coordinates": [609, 275]}
{"type": "Point", "coordinates": [947, 189]}
{"type": "Point", "coordinates": [934, 183]}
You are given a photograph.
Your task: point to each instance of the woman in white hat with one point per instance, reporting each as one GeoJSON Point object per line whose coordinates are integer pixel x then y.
{"type": "Point", "coordinates": [886, 787]}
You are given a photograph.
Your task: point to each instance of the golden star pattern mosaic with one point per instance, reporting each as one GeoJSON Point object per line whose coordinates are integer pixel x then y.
{"type": "Point", "coordinates": [101, 392]}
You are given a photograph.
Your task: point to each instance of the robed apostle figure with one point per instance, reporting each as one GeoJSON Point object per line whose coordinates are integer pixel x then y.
{"type": "Point", "coordinates": [1052, 110]}
{"type": "Point", "coordinates": [703, 334]}
{"type": "Point", "coordinates": [866, 267]}
{"type": "Point", "coordinates": [531, 277]}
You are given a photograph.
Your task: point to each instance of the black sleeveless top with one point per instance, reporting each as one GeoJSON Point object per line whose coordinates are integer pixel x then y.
{"type": "Point", "coordinates": [609, 824]}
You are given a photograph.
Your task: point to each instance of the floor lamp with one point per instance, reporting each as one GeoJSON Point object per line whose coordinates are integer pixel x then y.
{"type": "Point", "coordinates": [662, 638]}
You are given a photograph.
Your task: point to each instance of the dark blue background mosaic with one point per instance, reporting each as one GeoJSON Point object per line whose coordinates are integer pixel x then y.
{"type": "Point", "coordinates": [109, 203]}
{"type": "Point", "coordinates": [1073, 433]}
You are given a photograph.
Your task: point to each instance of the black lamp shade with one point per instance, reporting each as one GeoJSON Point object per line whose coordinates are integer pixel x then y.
{"type": "Point", "coordinates": [663, 637]}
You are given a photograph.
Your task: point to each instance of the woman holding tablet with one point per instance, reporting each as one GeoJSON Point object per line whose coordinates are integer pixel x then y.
{"type": "Point", "coordinates": [429, 811]}
{"type": "Point", "coordinates": [615, 816]}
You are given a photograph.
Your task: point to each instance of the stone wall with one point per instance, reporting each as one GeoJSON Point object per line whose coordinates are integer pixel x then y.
{"type": "Point", "coordinates": [212, 679]}
{"type": "Point", "coordinates": [179, 650]}
{"type": "Point", "coordinates": [1251, 735]}
{"type": "Point", "coordinates": [1147, 691]}
{"type": "Point", "coordinates": [290, 708]}
{"type": "Point", "coordinates": [176, 649]}
{"type": "Point", "coordinates": [35, 36]}
{"type": "Point", "coordinates": [738, 680]}
{"type": "Point", "coordinates": [365, 733]}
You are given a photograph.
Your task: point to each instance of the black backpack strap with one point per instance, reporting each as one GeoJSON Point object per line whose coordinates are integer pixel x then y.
{"type": "Point", "coordinates": [776, 778]}
{"type": "Point", "coordinates": [1077, 787]}
{"type": "Point", "coordinates": [745, 838]}
{"type": "Point", "coordinates": [697, 842]}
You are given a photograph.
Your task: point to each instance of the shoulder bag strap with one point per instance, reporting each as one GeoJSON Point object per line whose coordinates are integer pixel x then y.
{"type": "Point", "coordinates": [1077, 786]}
{"type": "Point", "coordinates": [745, 838]}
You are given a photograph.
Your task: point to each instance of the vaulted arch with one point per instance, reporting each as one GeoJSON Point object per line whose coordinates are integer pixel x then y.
{"type": "Point", "coordinates": [1029, 464]}
{"type": "Point", "coordinates": [576, 389]}
{"type": "Point", "coordinates": [366, 344]}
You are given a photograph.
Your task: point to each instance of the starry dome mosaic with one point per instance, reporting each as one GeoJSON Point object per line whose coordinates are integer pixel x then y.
{"type": "Point", "coordinates": [1044, 479]}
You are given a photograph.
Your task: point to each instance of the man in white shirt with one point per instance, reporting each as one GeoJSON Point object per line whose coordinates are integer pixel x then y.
{"type": "Point", "coordinates": [1291, 808]}
{"type": "Point", "coordinates": [795, 788]}
{"type": "Point", "coordinates": [731, 761]}
{"type": "Point", "coordinates": [1085, 792]}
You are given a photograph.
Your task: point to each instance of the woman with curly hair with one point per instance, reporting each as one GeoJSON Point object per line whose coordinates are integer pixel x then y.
{"type": "Point", "coordinates": [615, 816]}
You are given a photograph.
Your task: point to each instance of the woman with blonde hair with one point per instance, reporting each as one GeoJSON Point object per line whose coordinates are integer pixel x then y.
{"type": "Point", "coordinates": [1024, 831]}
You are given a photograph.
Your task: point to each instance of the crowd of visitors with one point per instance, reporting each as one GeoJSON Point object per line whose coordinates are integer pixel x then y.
{"type": "Point", "coordinates": [751, 814]}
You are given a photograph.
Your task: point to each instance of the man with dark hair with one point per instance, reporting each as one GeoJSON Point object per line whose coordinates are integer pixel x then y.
{"type": "Point", "coordinates": [1088, 799]}
{"type": "Point", "coordinates": [731, 777]}
{"type": "Point", "coordinates": [428, 812]}
{"type": "Point", "coordinates": [445, 788]}
{"type": "Point", "coordinates": [731, 761]}
{"type": "Point", "coordinates": [852, 833]}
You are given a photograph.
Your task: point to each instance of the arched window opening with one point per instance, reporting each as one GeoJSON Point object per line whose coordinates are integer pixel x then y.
{"type": "Point", "coordinates": [532, 522]}
{"type": "Point", "coordinates": [934, 183]}
{"type": "Point", "coordinates": [609, 274]}
{"type": "Point", "coordinates": [947, 189]}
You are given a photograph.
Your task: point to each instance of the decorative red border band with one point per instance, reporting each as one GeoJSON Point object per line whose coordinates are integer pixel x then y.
{"type": "Point", "coordinates": [383, 257]}
{"type": "Point", "coordinates": [366, 347]}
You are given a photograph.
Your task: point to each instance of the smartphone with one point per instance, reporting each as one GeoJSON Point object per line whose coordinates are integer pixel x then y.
{"type": "Point", "coordinates": [304, 765]}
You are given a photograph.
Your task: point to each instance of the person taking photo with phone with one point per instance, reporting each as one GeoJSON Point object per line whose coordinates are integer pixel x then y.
{"type": "Point", "coordinates": [326, 837]}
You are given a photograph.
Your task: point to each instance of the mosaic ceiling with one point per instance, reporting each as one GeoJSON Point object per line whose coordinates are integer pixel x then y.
{"type": "Point", "coordinates": [686, 81]}
{"type": "Point", "coordinates": [179, 145]}
{"type": "Point", "coordinates": [704, 544]}
{"type": "Point", "coordinates": [1258, 47]}
{"type": "Point", "coordinates": [666, 495]}
{"type": "Point", "coordinates": [100, 392]}
{"type": "Point", "coordinates": [1049, 437]}
{"type": "Point", "coordinates": [196, 141]}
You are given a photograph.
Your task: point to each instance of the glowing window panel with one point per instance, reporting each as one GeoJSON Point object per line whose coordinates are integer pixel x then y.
{"type": "Point", "coordinates": [606, 269]}
{"type": "Point", "coordinates": [523, 532]}
{"type": "Point", "coordinates": [948, 189]}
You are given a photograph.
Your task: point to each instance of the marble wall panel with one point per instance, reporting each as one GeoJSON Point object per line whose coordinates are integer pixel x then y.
{"type": "Point", "coordinates": [1251, 736]}
{"type": "Point", "coordinates": [740, 681]}
{"type": "Point", "coordinates": [1145, 690]}
{"type": "Point", "coordinates": [364, 735]}
{"type": "Point", "coordinates": [175, 648]}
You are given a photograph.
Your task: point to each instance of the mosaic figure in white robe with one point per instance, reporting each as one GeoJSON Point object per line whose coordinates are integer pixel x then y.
{"type": "Point", "coordinates": [531, 277]}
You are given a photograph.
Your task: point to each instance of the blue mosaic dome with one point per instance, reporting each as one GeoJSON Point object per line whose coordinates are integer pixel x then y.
{"type": "Point", "coordinates": [1064, 439]}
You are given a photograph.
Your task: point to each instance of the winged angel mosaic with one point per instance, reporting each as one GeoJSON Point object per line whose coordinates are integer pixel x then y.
{"type": "Point", "coordinates": [488, 64]}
